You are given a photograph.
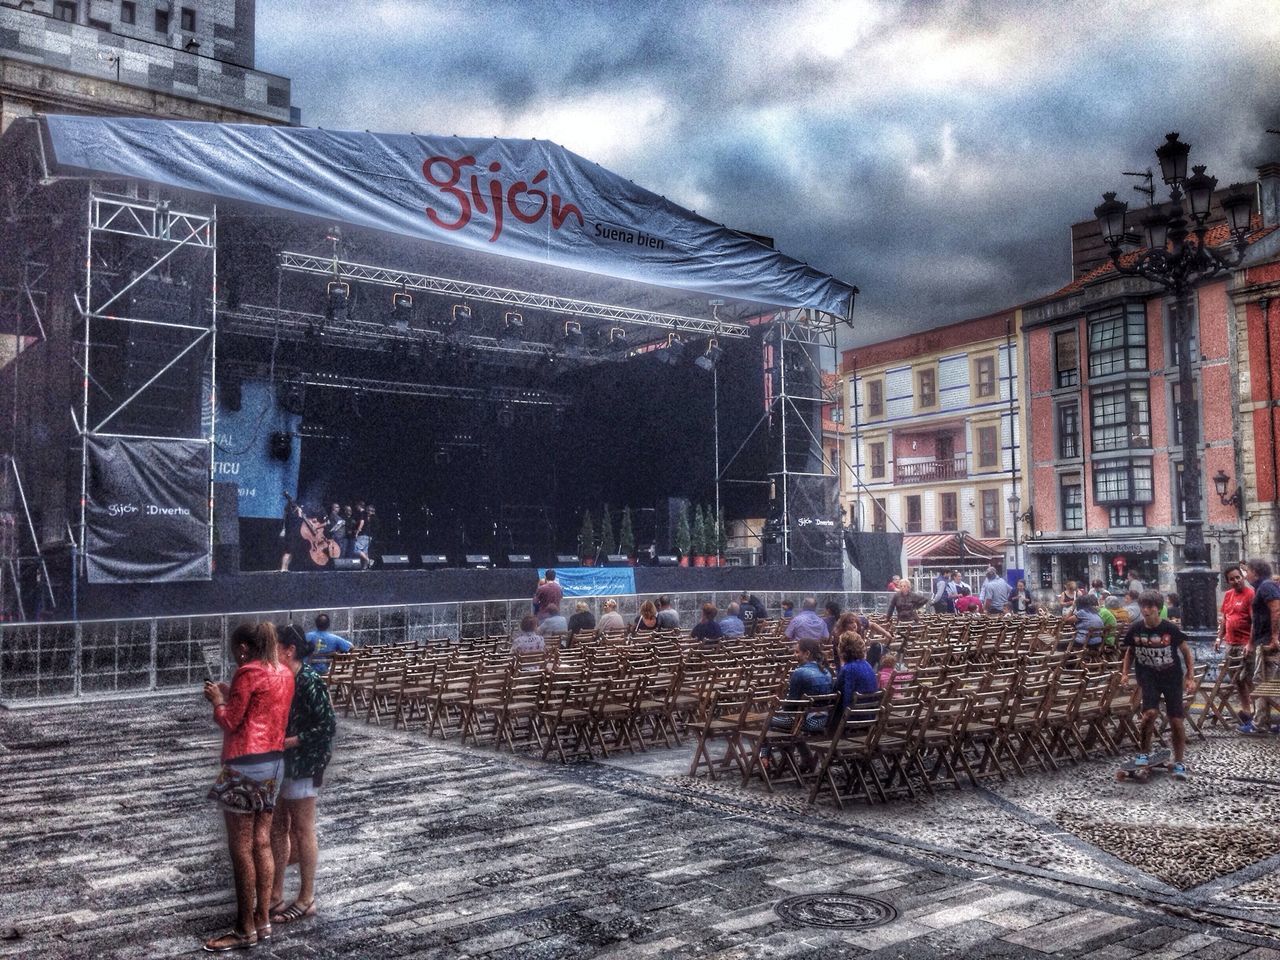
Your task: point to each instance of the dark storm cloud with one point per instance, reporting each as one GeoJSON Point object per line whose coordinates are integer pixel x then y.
{"type": "Point", "coordinates": [933, 153]}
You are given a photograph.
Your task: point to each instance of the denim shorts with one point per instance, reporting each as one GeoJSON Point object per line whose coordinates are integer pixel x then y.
{"type": "Point", "coordinates": [299, 788]}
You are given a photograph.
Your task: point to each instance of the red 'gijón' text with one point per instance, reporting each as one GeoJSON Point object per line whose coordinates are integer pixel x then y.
{"type": "Point", "coordinates": [524, 200]}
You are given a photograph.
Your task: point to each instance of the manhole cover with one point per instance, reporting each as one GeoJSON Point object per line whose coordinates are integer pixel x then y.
{"type": "Point", "coordinates": [836, 910]}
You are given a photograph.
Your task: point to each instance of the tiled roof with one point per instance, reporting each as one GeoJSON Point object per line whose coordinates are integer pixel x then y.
{"type": "Point", "coordinates": [1215, 237]}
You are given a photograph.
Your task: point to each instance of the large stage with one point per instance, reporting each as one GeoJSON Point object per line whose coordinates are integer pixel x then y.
{"type": "Point", "coordinates": [245, 592]}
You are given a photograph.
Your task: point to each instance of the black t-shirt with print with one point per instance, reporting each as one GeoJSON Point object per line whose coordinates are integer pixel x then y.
{"type": "Point", "coordinates": [1156, 650]}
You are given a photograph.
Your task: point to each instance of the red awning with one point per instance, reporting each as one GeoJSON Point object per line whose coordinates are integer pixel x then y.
{"type": "Point", "coordinates": [949, 546]}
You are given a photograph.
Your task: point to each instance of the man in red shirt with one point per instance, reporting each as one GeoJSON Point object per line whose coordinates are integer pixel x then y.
{"type": "Point", "coordinates": [548, 593]}
{"type": "Point", "coordinates": [1235, 629]}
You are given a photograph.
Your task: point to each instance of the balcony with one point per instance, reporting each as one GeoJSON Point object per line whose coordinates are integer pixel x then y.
{"type": "Point", "coordinates": [930, 471]}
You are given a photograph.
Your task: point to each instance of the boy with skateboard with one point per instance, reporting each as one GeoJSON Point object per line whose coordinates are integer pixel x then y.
{"type": "Point", "coordinates": [1158, 652]}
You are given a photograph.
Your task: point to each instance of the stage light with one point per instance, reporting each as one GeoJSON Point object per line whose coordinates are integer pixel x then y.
{"type": "Point", "coordinates": [617, 336]}
{"type": "Point", "coordinates": [401, 309]}
{"type": "Point", "coordinates": [337, 301]}
{"type": "Point", "coordinates": [506, 417]}
{"type": "Point", "coordinates": [673, 352]}
{"type": "Point", "coordinates": [461, 315]}
{"type": "Point", "coordinates": [710, 357]}
{"type": "Point", "coordinates": [281, 445]}
{"type": "Point", "coordinates": [572, 336]}
{"type": "Point", "coordinates": [512, 325]}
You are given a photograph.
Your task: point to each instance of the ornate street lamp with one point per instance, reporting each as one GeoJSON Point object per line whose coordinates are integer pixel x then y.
{"type": "Point", "coordinates": [1177, 258]}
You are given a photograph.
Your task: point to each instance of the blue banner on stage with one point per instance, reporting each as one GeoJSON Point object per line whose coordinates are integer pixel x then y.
{"type": "Point", "coordinates": [594, 581]}
{"type": "Point", "coordinates": [243, 452]}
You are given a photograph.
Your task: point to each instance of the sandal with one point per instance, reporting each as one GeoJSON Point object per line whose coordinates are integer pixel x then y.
{"type": "Point", "coordinates": [294, 912]}
{"type": "Point", "coordinates": [264, 933]}
{"type": "Point", "coordinates": [233, 940]}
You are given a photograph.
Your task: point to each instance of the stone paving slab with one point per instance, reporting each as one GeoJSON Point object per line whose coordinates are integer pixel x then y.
{"type": "Point", "coordinates": [430, 849]}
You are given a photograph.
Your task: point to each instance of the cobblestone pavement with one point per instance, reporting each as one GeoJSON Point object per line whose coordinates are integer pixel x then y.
{"type": "Point", "coordinates": [430, 849]}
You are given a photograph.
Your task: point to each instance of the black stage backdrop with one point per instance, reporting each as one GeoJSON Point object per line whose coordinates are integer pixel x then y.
{"type": "Point", "coordinates": [147, 513]}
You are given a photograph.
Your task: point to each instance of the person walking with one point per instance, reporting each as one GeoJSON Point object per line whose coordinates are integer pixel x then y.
{"type": "Point", "coordinates": [308, 746]}
{"type": "Point", "coordinates": [944, 593]}
{"type": "Point", "coordinates": [1264, 649]}
{"type": "Point", "coordinates": [252, 711]}
{"type": "Point", "coordinates": [1235, 630]}
{"type": "Point", "coordinates": [1158, 652]}
{"type": "Point", "coordinates": [324, 645]}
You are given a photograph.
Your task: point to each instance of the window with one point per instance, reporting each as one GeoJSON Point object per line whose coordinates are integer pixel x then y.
{"type": "Point", "coordinates": [1118, 341]}
{"type": "Point", "coordinates": [100, 25]}
{"type": "Point", "coordinates": [915, 522]}
{"type": "Point", "coordinates": [1071, 497]}
{"type": "Point", "coordinates": [950, 511]}
{"type": "Point", "coordinates": [988, 447]}
{"type": "Point", "coordinates": [875, 452]}
{"type": "Point", "coordinates": [875, 398]}
{"type": "Point", "coordinates": [66, 10]}
{"type": "Point", "coordinates": [1121, 417]}
{"type": "Point", "coordinates": [1193, 327]}
{"type": "Point", "coordinates": [1066, 349]}
{"type": "Point", "coordinates": [1176, 409]}
{"type": "Point", "coordinates": [188, 20]}
{"type": "Point", "coordinates": [926, 388]}
{"type": "Point", "coordinates": [1179, 515]}
{"type": "Point", "coordinates": [162, 21]}
{"type": "Point", "coordinates": [991, 513]}
{"type": "Point", "coordinates": [879, 516]}
{"type": "Point", "coordinates": [1068, 431]}
{"type": "Point", "coordinates": [1122, 482]}
{"type": "Point", "coordinates": [1128, 516]}
{"type": "Point", "coordinates": [984, 377]}
{"type": "Point", "coordinates": [128, 12]}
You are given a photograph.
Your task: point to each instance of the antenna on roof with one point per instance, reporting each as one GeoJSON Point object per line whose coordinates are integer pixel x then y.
{"type": "Point", "coordinates": [1149, 190]}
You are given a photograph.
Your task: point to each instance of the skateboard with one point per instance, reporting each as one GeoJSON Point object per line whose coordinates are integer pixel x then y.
{"type": "Point", "coordinates": [1156, 760]}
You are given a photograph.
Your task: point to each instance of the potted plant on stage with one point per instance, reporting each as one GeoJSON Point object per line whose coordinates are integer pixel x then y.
{"type": "Point", "coordinates": [587, 540]}
{"type": "Point", "coordinates": [698, 537]}
{"type": "Point", "coordinates": [627, 537]}
{"type": "Point", "coordinates": [722, 540]}
{"type": "Point", "coordinates": [683, 536]}
{"type": "Point", "coordinates": [607, 545]}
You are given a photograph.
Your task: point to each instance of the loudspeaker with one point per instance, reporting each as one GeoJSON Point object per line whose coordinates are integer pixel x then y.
{"type": "Point", "coordinates": [519, 559]}
{"type": "Point", "coordinates": [434, 560]}
{"type": "Point", "coordinates": [667, 518]}
{"type": "Point", "coordinates": [567, 559]}
{"type": "Point", "coordinates": [281, 445]}
{"type": "Point", "coordinates": [479, 560]}
{"type": "Point", "coordinates": [394, 560]}
{"type": "Point", "coordinates": [226, 514]}
{"type": "Point", "coordinates": [346, 563]}
{"type": "Point", "coordinates": [666, 560]}
{"type": "Point", "coordinates": [616, 560]}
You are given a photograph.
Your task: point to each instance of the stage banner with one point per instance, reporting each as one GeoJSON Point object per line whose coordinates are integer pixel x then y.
{"type": "Point", "coordinates": [594, 581]}
{"type": "Point", "coordinates": [528, 199]}
{"type": "Point", "coordinates": [147, 512]}
{"type": "Point", "coordinates": [243, 454]}
{"type": "Point", "coordinates": [815, 540]}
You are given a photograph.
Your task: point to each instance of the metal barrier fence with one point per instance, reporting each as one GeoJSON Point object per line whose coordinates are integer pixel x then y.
{"type": "Point", "coordinates": [101, 659]}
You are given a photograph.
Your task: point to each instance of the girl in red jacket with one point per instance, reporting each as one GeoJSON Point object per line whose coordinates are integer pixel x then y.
{"type": "Point", "coordinates": [252, 712]}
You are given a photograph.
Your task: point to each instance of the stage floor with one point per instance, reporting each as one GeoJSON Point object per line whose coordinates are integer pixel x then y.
{"type": "Point", "coordinates": [248, 592]}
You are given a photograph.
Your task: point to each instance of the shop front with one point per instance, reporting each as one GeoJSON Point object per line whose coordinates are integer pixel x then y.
{"type": "Point", "coordinates": [1115, 563]}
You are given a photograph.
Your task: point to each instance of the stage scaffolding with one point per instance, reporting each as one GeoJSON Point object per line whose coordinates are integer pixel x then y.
{"type": "Point", "coordinates": [155, 234]}
{"type": "Point", "coordinates": [797, 344]}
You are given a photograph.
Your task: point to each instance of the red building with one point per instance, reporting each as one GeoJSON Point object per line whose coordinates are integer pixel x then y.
{"type": "Point", "coordinates": [1104, 454]}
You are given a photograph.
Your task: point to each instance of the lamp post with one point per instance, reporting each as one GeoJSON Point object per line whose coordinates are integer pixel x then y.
{"type": "Point", "coordinates": [1015, 513]}
{"type": "Point", "coordinates": [1177, 258]}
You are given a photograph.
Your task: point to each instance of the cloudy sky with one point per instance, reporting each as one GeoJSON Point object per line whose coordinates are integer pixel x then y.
{"type": "Point", "coordinates": [934, 154]}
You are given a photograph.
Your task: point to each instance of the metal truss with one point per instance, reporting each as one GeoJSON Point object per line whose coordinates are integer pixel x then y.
{"type": "Point", "coordinates": [443, 286]}
{"type": "Point", "coordinates": [515, 396]}
{"type": "Point", "coordinates": [254, 320]}
{"type": "Point", "coordinates": [161, 232]}
{"type": "Point", "coordinates": [132, 217]}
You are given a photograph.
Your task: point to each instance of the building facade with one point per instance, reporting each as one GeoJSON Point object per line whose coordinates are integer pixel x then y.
{"type": "Point", "coordinates": [187, 59]}
{"type": "Point", "coordinates": [1104, 454]}
{"type": "Point", "coordinates": [932, 422]}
